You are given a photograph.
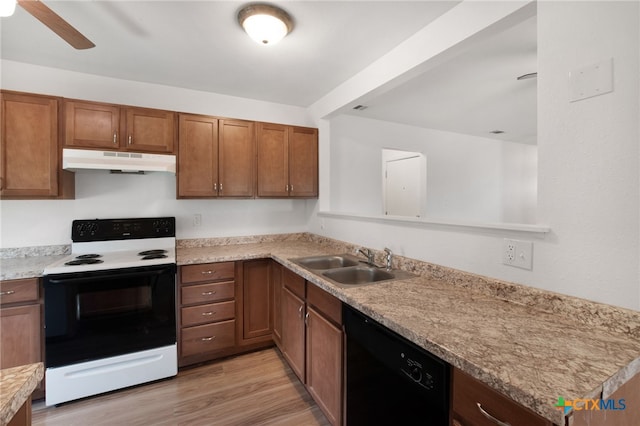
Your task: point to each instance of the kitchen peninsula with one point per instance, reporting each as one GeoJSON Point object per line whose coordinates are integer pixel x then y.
{"type": "Point", "coordinates": [16, 386]}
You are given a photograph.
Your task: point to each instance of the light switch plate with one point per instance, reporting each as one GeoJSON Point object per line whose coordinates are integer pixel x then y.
{"type": "Point", "coordinates": [590, 81]}
{"type": "Point", "coordinates": [517, 253]}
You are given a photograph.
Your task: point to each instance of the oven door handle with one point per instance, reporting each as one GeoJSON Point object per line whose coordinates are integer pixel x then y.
{"type": "Point", "coordinates": [81, 280]}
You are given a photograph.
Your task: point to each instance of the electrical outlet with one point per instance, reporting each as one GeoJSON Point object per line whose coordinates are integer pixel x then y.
{"type": "Point", "coordinates": [517, 253]}
{"type": "Point", "coordinates": [197, 219]}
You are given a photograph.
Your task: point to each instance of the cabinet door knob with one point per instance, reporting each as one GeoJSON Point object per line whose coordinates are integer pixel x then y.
{"type": "Point", "coordinates": [6, 293]}
{"type": "Point", "coordinates": [129, 139]}
{"type": "Point", "coordinates": [306, 319]}
{"type": "Point", "coordinates": [290, 188]}
{"type": "Point", "coordinates": [115, 138]}
{"type": "Point", "coordinates": [286, 188]}
{"type": "Point", "coordinates": [215, 186]}
{"type": "Point", "coordinates": [208, 293]}
{"type": "Point", "coordinates": [208, 339]}
{"type": "Point", "coordinates": [490, 417]}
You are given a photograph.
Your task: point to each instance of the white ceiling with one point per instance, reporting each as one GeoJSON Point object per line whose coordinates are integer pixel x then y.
{"type": "Point", "coordinates": [199, 45]}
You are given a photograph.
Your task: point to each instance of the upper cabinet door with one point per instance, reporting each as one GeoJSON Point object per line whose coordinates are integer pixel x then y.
{"type": "Point", "coordinates": [273, 160]}
{"type": "Point", "coordinates": [91, 125]}
{"type": "Point", "coordinates": [303, 162]}
{"type": "Point", "coordinates": [237, 148]}
{"type": "Point", "coordinates": [150, 130]}
{"type": "Point", "coordinates": [197, 173]}
{"type": "Point", "coordinates": [28, 146]}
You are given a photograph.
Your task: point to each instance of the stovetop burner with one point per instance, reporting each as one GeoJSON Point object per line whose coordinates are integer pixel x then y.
{"type": "Point", "coordinates": [154, 256]}
{"type": "Point", "coordinates": [89, 256]}
{"type": "Point", "coordinates": [83, 261]}
{"type": "Point", "coordinates": [151, 252]}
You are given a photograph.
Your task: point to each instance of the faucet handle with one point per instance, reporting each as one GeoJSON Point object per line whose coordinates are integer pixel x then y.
{"type": "Point", "coordinates": [389, 258]}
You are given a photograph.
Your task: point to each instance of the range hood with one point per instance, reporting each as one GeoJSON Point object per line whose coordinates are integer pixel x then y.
{"type": "Point", "coordinates": [128, 162]}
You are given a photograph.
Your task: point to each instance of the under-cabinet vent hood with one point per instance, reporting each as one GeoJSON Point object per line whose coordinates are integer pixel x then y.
{"type": "Point", "coordinates": [83, 159]}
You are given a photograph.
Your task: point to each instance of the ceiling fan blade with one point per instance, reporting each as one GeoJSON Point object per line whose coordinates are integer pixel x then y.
{"type": "Point", "coordinates": [41, 12]}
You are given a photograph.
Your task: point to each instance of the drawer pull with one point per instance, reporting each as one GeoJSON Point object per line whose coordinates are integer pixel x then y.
{"type": "Point", "coordinates": [207, 314]}
{"type": "Point", "coordinates": [208, 293]}
{"type": "Point", "coordinates": [6, 293]}
{"type": "Point", "coordinates": [206, 272]}
{"type": "Point", "coordinates": [208, 339]}
{"type": "Point", "coordinates": [490, 417]}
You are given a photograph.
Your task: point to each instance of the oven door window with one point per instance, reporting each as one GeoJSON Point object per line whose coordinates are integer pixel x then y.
{"type": "Point", "coordinates": [95, 315]}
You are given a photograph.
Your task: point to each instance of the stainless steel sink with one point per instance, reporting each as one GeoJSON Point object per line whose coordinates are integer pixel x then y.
{"type": "Point", "coordinates": [327, 262]}
{"type": "Point", "coordinates": [346, 270]}
{"type": "Point", "coordinates": [358, 275]}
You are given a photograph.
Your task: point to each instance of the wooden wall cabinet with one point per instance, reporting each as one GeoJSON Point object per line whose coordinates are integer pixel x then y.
{"type": "Point", "coordinates": [312, 341]}
{"type": "Point", "coordinates": [476, 404]}
{"type": "Point", "coordinates": [21, 324]}
{"type": "Point", "coordinates": [30, 162]}
{"type": "Point", "coordinates": [287, 161]}
{"type": "Point", "coordinates": [114, 127]}
{"type": "Point", "coordinates": [216, 157]}
{"type": "Point", "coordinates": [206, 323]}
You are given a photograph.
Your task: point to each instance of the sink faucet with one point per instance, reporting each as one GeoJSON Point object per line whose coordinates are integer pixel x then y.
{"type": "Point", "coordinates": [389, 258]}
{"type": "Point", "coordinates": [368, 253]}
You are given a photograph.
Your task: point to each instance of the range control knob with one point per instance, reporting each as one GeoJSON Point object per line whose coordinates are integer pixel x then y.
{"type": "Point", "coordinates": [416, 373]}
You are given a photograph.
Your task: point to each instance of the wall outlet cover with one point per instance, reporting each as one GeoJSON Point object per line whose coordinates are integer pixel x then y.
{"type": "Point", "coordinates": [517, 253]}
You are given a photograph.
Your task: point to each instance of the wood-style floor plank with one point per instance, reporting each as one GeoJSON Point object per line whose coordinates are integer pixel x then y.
{"type": "Point", "coordinates": [253, 389]}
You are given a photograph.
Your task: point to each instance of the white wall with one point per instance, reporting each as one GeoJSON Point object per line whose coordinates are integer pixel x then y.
{"type": "Point", "coordinates": [468, 178]}
{"type": "Point", "coordinates": [101, 195]}
{"type": "Point", "coordinates": [588, 164]}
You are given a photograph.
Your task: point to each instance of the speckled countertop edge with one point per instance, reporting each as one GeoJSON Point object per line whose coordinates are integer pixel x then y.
{"type": "Point", "coordinates": [16, 386]}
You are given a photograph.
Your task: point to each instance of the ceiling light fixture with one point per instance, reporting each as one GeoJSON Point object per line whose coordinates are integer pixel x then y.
{"type": "Point", "coordinates": [266, 24]}
{"type": "Point", "coordinates": [7, 7]}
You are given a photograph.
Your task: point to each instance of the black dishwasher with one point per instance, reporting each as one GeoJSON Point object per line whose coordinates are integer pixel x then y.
{"type": "Point", "coordinates": [390, 380]}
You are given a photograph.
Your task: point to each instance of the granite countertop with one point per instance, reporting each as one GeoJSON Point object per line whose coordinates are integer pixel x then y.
{"type": "Point", "coordinates": [528, 344]}
{"type": "Point", "coordinates": [16, 386]}
{"type": "Point", "coordinates": [25, 267]}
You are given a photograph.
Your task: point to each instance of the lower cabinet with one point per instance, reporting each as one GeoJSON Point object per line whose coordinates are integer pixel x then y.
{"type": "Point", "coordinates": [312, 341]}
{"type": "Point", "coordinates": [206, 320]}
{"type": "Point", "coordinates": [21, 325]}
{"type": "Point", "coordinates": [225, 308]}
{"type": "Point", "coordinates": [476, 404]}
{"type": "Point", "coordinates": [255, 302]}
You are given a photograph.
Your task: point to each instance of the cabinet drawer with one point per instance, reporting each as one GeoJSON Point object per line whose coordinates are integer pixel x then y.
{"type": "Point", "coordinates": [469, 392]}
{"type": "Point", "coordinates": [204, 293]}
{"type": "Point", "coordinates": [293, 282]}
{"type": "Point", "coordinates": [14, 291]}
{"type": "Point", "coordinates": [211, 312]}
{"type": "Point", "coordinates": [208, 338]}
{"type": "Point", "coordinates": [207, 272]}
{"type": "Point", "coordinates": [326, 303]}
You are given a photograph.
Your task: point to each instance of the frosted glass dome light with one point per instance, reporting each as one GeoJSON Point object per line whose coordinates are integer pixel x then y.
{"type": "Point", "coordinates": [7, 7]}
{"type": "Point", "coordinates": [264, 23]}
